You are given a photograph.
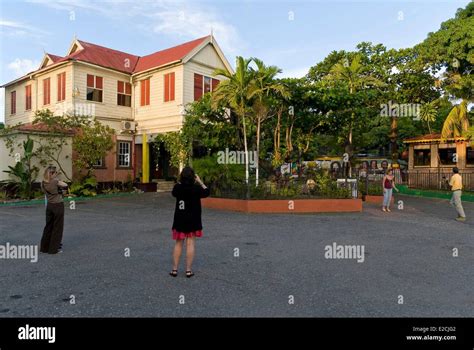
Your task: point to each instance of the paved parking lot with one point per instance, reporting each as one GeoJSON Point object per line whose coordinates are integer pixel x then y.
{"type": "Point", "coordinates": [280, 270]}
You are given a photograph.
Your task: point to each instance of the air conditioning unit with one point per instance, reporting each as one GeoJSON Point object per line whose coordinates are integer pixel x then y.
{"type": "Point", "coordinates": [128, 126]}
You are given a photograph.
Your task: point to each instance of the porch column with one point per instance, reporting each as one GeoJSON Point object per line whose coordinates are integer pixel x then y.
{"type": "Point", "coordinates": [145, 160]}
{"type": "Point", "coordinates": [461, 155]}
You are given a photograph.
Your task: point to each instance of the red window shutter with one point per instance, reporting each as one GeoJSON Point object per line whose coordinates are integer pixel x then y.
{"type": "Point", "coordinates": [61, 86]}
{"type": "Point", "coordinates": [90, 80]}
{"type": "Point", "coordinates": [142, 92]}
{"type": "Point", "coordinates": [46, 91]}
{"type": "Point", "coordinates": [215, 82]}
{"type": "Point", "coordinates": [167, 87]}
{"type": "Point", "coordinates": [128, 88]}
{"type": "Point", "coordinates": [197, 86]}
{"type": "Point", "coordinates": [64, 86]}
{"type": "Point", "coordinates": [28, 97]}
{"type": "Point", "coordinates": [147, 92]}
{"type": "Point", "coordinates": [120, 88]}
{"type": "Point", "coordinates": [98, 82]}
{"type": "Point", "coordinates": [13, 102]}
{"type": "Point", "coordinates": [172, 86]}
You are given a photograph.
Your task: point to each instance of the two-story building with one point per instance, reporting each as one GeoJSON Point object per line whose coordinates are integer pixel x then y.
{"type": "Point", "coordinates": [138, 97]}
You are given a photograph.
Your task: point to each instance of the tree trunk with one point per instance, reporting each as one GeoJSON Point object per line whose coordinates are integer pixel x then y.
{"type": "Point", "coordinates": [258, 150]}
{"type": "Point", "coordinates": [349, 144]}
{"type": "Point", "coordinates": [393, 139]}
{"type": "Point", "coordinates": [276, 136]}
{"type": "Point", "coordinates": [245, 146]}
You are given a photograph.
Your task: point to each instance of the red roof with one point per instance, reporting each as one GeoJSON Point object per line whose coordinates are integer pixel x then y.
{"type": "Point", "coordinates": [55, 58]}
{"type": "Point", "coordinates": [160, 58]}
{"type": "Point", "coordinates": [105, 57]}
{"type": "Point", "coordinates": [128, 63]}
{"type": "Point", "coordinates": [40, 127]}
{"type": "Point", "coordinates": [122, 61]}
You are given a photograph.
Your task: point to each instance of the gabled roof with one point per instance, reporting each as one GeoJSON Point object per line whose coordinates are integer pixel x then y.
{"type": "Point", "coordinates": [126, 62]}
{"type": "Point", "coordinates": [49, 59]}
{"type": "Point", "coordinates": [54, 58]}
{"type": "Point", "coordinates": [104, 57]}
{"type": "Point", "coordinates": [170, 55]}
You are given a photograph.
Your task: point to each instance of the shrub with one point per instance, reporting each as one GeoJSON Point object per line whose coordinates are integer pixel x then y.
{"type": "Point", "coordinates": [86, 188]}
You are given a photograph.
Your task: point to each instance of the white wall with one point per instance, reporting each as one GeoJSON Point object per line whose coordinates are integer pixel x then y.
{"type": "Point", "coordinates": [9, 160]}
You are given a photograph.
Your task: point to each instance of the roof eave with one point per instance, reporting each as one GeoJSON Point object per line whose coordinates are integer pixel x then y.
{"type": "Point", "coordinates": [157, 67]}
{"type": "Point", "coordinates": [31, 74]}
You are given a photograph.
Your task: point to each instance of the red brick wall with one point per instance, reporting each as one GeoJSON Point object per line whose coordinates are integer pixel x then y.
{"type": "Point", "coordinates": [110, 172]}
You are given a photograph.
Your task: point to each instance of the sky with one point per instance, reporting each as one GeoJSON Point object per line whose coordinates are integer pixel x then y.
{"type": "Point", "coordinates": [293, 35]}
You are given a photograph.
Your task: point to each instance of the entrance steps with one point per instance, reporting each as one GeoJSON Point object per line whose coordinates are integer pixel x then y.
{"type": "Point", "coordinates": [164, 186]}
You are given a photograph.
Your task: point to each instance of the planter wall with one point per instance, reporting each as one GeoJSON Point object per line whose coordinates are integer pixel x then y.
{"type": "Point", "coordinates": [377, 199]}
{"type": "Point", "coordinates": [285, 205]}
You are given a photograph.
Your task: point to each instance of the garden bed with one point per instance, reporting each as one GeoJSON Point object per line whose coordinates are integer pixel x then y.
{"type": "Point", "coordinates": [284, 205]}
{"type": "Point", "coordinates": [22, 202]}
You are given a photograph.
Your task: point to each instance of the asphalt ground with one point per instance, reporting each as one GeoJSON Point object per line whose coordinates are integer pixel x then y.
{"type": "Point", "coordinates": [246, 264]}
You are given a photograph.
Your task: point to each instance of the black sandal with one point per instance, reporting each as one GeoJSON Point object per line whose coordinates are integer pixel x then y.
{"type": "Point", "coordinates": [189, 274]}
{"type": "Point", "coordinates": [174, 273]}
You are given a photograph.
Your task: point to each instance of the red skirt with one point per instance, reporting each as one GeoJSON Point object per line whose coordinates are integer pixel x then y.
{"type": "Point", "coordinates": [183, 235]}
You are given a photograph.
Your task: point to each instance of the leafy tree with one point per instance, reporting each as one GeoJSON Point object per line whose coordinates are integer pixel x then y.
{"type": "Point", "coordinates": [264, 89]}
{"type": "Point", "coordinates": [90, 139]}
{"type": "Point", "coordinates": [451, 49]}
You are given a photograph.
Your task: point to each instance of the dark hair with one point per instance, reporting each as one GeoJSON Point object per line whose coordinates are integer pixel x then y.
{"type": "Point", "coordinates": [187, 176]}
{"type": "Point", "coordinates": [456, 170]}
{"type": "Point", "coordinates": [389, 171]}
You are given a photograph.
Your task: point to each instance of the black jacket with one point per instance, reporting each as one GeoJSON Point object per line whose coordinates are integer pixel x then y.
{"type": "Point", "coordinates": [187, 212]}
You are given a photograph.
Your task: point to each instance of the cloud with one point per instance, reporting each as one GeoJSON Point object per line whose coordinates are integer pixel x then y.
{"type": "Point", "coordinates": [13, 28]}
{"type": "Point", "coordinates": [182, 19]}
{"type": "Point", "coordinates": [185, 21]}
{"type": "Point", "coordinates": [22, 66]}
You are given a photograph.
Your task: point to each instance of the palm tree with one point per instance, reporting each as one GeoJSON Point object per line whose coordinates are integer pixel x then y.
{"type": "Point", "coordinates": [234, 92]}
{"type": "Point", "coordinates": [428, 114]}
{"type": "Point", "coordinates": [354, 75]}
{"type": "Point", "coordinates": [456, 123]}
{"type": "Point", "coordinates": [264, 87]}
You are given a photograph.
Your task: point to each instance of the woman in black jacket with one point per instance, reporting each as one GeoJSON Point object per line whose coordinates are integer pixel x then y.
{"type": "Point", "coordinates": [187, 222]}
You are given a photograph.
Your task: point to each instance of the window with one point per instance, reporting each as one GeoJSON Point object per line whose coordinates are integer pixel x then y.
{"type": "Point", "coordinates": [123, 154]}
{"type": "Point", "coordinates": [99, 164]}
{"type": "Point", "coordinates": [61, 87]}
{"type": "Point", "coordinates": [27, 97]}
{"type": "Point", "coordinates": [169, 87]}
{"type": "Point", "coordinates": [203, 84]}
{"type": "Point", "coordinates": [422, 157]}
{"type": "Point", "coordinates": [124, 94]}
{"type": "Point", "coordinates": [145, 92]}
{"type": "Point", "coordinates": [13, 102]}
{"type": "Point", "coordinates": [207, 84]}
{"type": "Point", "coordinates": [94, 88]}
{"type": "Point", "coordinates": [447, 156]}
{"type": "Point", "coordinates": [469, 155]}
{"type": "Point", "coordinates": [46, 91]}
